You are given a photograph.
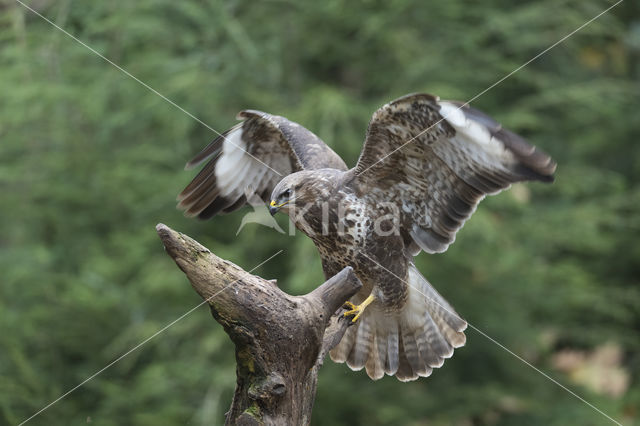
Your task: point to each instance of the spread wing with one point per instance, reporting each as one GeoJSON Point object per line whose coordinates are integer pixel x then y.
{"type": "Point", "coordinates": [256, 154]}
{"type": "Point", "coordinates": [456, 156]}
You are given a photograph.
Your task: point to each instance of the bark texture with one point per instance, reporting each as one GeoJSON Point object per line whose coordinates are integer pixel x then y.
{"type": "Point", "coordinates": [281, 340]}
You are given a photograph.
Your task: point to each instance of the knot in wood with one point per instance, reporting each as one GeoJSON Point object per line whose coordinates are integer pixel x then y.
{"type": "Point", "coordinates": [267, 389]}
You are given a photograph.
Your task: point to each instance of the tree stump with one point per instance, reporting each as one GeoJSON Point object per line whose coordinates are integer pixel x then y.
{"type": "Point", "coordinates": [281, 340]}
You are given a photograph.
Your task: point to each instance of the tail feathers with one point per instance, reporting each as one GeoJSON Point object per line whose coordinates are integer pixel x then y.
{"type": "Point", "coordinates": [393, 349]}
{"type": "Point", "coordinates": [364, 344]}
{"type": "Point", "coordinates": [409, 343]}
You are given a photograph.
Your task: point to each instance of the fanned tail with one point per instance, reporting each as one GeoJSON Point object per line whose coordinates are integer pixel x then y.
{"type": "Point", "coordinates": [409, 343]}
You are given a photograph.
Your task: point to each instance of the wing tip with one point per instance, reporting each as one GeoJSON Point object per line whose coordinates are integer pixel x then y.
{"type": "Point", "coordinates": [537, 164]}
{"type": "Point", "coordinates": [192, 164]}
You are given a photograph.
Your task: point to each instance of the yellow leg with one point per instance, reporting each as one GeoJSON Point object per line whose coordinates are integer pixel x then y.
{"type": "Point", "coordinates": [357, 310]}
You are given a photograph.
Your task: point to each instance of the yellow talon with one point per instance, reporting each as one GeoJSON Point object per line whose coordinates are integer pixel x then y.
{"type": "Point", "coordinates": [349, 305]}
{"type": "Point", "coordinates": [357, 310]}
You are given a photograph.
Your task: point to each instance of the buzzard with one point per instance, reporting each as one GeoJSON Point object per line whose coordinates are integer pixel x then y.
{"type": "Point", "coordinates": [425, 165]}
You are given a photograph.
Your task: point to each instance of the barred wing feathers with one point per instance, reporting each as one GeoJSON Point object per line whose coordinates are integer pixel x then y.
{"type": "Point", "coordinates": [256, 153]}
{"type": "Point", "coordinates": [436, 160]}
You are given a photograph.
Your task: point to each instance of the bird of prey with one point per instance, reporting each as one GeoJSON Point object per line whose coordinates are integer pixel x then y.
{"type": "Point", "coordinates": [424, 167]}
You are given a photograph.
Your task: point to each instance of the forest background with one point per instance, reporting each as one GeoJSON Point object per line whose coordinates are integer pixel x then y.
{"type": "Point", "coordinates": [90, 161]}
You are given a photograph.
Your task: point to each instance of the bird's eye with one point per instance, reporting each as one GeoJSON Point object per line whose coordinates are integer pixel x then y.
{"type": "Point", "coordinates": [286, 193]}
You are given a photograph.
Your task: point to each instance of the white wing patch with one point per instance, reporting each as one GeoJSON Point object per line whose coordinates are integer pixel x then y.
{"type": "Point", "coordinates": [474, 132]}
{"type": "Point", "coordinates": [233, 161]}
{"type": "Point", "coordinates": [236, 170]}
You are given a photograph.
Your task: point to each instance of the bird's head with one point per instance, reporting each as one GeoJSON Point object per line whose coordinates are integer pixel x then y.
{"type": "Point", "coordinates": [283, 196]}
{"type": "Point", "coordinates": [295, 190]}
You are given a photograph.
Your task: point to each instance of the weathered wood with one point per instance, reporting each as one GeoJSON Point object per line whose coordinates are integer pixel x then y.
{"type": "Point", "coordinates": [281, 340]}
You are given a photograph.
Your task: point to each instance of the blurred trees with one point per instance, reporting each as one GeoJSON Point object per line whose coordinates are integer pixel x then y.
{"type": "Point", "coordinates": [90, 161]}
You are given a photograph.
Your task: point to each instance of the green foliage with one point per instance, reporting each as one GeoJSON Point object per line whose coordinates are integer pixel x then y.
{"type": "Point", "coordinates": [90, 161]}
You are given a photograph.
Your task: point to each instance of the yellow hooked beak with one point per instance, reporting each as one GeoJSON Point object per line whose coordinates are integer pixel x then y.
{"type": "Point", "coordinates": [273, 207]}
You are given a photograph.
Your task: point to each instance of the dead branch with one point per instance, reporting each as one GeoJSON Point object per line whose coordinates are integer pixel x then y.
{"type": "Point", "coordinates": [280, 340]}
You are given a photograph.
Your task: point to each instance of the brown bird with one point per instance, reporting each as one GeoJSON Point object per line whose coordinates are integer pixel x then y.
{"type": "Point", "coordinates": [424, 167]}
